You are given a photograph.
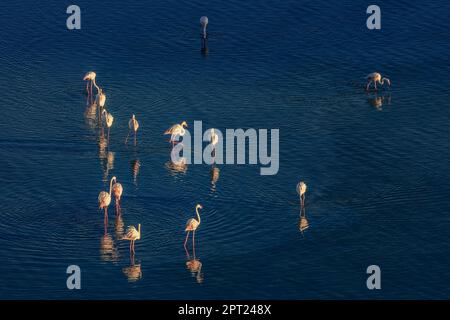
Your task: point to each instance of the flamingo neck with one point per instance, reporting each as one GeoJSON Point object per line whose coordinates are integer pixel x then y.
{"type": "Point", "coordinates": [110, 185]}
{"type": "Point", "coordinates": [95, 85]}
{"type": "Point", "coordinates": [198, 215]}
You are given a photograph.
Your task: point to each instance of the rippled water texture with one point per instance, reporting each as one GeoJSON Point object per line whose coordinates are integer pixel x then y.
{"type": "Point", "coordinates": [376, 165]}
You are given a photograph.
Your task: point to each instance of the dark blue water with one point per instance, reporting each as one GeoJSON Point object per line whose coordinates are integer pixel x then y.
{"type": "Point", "coordinates": [376, 165]}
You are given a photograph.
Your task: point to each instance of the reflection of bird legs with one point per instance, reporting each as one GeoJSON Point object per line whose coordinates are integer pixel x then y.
{"type": "Point", "coordinates": [128, 135]}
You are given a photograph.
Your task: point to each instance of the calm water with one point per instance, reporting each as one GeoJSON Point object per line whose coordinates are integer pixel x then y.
{"type": "Point", "coordinates": [378, 178]}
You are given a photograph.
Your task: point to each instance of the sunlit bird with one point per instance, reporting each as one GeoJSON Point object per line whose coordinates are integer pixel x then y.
{"type": "Point", "coordinates": [100, 98]}
{"type": "Point", "coordinates": [192, 225]}
{"type": "Point", "coordinates": [90, 78]}
{"type": "Point", "coordinates": [133, 125]}
{"type": "Point", "coordinates": [204, 24]}
{"type": "Point", "coordinates": [104, 199]}
{"type": "Point", "coordinates": [109, 119]}
{"type": "Point", "coordinates": [301, 190]}
{"type": "Point", "coordinates": [375, 78]}
{"type": "Point", "coordinates": [132, 235]}
{"type": "Point", "coordinates": [214, 138]}
{"type": "Point", "coordinates": [176, 130]}
{"type": "Point", "coordinates": [117, 190]}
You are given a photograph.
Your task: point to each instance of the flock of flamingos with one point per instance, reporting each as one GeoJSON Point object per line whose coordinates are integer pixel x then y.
{"type": "Point", "coordinates": [115, 188]}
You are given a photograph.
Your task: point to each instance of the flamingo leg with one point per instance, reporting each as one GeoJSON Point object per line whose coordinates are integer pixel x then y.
{"type": "Point", "coordinates": [130, 246]}
{"type": "Point", "coordinates": [87, 87]}
{"type": "Point", "coordinates": [193, 243]}
{"type": "Point", "coordinates": [368, 85]}
{"type": "Point", "coordinates": [133, 248]}
{"type": "Point", "coordinates": [185, 241]}
{"type": "Point", "coordinates": [135, 136]}
{"type": "Point", "coordinates": [375, 85]}
{"type": "Point", "coordinates": [108, 136]}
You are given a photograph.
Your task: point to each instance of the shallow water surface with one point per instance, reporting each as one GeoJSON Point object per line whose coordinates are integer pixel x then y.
{"type": "Point", "coordinates": [376, 165]}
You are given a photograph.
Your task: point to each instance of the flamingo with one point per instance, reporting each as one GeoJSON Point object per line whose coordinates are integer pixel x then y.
{"type": "Point", "coordinates": [214, 139]}
{"type": "Point", "coordinates": [176, 130]}
{"type": "Point", "coordinates": [133, 124]}
{"type": "Point", "coordinates": [375, 77]}
{"type": "Point", "coordinates": [192, 225]}
{"type": "Point", "coordinates": [301, 190]}
{"type": "Point", "coordinates": [117, 190]}
{"type": "Point", "coordinates": [132, 234]}
{"type": "Point", "coordinates": [204, 23]}
{"type": "Point", "coordinates": [104, 199]}
{"type": "Point", "coordinates": [90, 78]}
{"type": "Point", "coordinates": [100, 100]}
{"type": "Point", "coordinates": [109, 119]}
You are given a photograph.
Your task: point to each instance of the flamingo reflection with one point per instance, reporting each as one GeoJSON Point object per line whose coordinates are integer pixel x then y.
{"type": "Point", "coordinates": [108, 250]}
{"type": "Point", "coordinates": [135, 167]}
{"type": "Point", "coordinates": [377, 101]}
{"type": "Point", "coordinates": [303, 223]}
{"type": "Point", "coordinates": [195, 267]}
{"type": "Point", "coordinates": [132, 272]}
{"type": "Point", "coordinates": [119, 226]}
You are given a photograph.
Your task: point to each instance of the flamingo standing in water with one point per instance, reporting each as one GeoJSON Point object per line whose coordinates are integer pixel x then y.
{"type": "Point", "coordinates": [192, 225]}
{"type": "Point", "coordinates": [100, 100]}
{"type": "Point", "coordinates": [117, 190]}
{"type": "Point", "coordinates": [214, 140]}
{"type": "Point", "coordinates": [375, 78]}
{"type": "Point", "coordinates": [104, 199]}
{"type": "Point", "coordinates": [132, 235]}
{"type": "Point", "coordinates": [301, 190]}
{"type": "Point", "coordinates": [176, 130]}
{"type": "Point", "coordinates": [133, 125]}
{"type": "Point", "coordinates": [90, 78]}
{"type": "Point", "coordinates": [109, 121]}
{"type": "Point", "coordinates": [204, 24]}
